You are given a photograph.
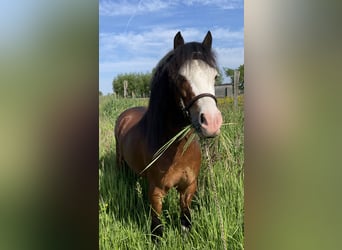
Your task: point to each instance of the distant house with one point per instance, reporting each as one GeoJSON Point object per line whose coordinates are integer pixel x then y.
{"type": "Point", "coordinates": [225, 89]}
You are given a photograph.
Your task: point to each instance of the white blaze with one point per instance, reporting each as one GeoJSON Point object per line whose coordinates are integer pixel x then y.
{"type": "Point", "coordinates": [202, 80]}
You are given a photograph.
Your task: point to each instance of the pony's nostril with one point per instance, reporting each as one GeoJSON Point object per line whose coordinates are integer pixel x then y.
{"type": "Point", "coordinates": [202, 118]}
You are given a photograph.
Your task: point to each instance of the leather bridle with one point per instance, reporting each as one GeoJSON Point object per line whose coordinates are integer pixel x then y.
{"type": "Point", "coordinates": [186, 108]}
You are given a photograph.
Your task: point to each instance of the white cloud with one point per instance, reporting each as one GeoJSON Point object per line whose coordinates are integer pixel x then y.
{"type": "Point", "coordinates": [130, 8]}
{"type": "Point", "coordinates": [137, 64]}
{"type": "Point", "coordinates": [224, 4]}
{"type": "Point", "coordinates": [116, 8]}
{"type": "Point", "coordinates": [230, 57]}
{"type": "Point", "coordinates": [227, 34]}
{"type": "Point", "coordinates": [137, 48]}
{"type": "Point", "coordinates": [130, 46]}
{"type": "Point", "coordinates": [161, 39]}
{"type": "Point", "coordinates": [152, 43]}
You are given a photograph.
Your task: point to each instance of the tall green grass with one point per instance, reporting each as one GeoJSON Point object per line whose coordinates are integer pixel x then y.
{"type": "Point", "coordinates": [124, 213]}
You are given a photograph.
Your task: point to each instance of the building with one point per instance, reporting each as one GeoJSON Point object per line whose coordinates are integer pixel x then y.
{"type": "Point", "coordinates": [225, 89]}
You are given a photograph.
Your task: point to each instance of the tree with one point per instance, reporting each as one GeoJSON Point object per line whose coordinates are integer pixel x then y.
{"type": "Point", "coordinates": [138, 83]}
{"type": "Point", "coordinates": [100, 93]}
{"type": "Point", "coordinates": [230, 73]}
{"type": "Point", "coordinates": [219, 78]}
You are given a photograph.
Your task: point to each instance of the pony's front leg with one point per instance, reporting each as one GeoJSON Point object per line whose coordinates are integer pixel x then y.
{"type": "Point", "coordinates": [185, 202]}
{"type": "Point", "coordinates": [156, 196]}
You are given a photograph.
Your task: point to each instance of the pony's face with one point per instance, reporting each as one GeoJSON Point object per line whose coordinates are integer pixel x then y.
{"type": "Point", "coordinates": [200, 77]}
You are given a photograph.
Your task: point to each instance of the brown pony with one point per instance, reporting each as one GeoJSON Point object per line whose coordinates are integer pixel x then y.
{"type": "Point", "coordinates": [182, 93]}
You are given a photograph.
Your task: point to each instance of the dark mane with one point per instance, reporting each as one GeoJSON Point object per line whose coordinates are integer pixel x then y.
{"type": "Point", "coordinates": [164, 117]}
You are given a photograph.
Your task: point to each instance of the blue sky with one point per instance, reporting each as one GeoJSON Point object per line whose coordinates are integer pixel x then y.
{"type": "Point", "coordinates": [135, 35]}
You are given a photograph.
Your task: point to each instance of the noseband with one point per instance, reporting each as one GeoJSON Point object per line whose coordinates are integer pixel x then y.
{"type": "Point", "coordinates": [186, 108]}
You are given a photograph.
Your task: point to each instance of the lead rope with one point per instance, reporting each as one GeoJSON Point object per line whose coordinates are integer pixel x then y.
{"type": "Point", "coordinates": [206, 146]}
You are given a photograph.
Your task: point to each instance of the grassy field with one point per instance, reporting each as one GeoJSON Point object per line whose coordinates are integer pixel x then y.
{"type": "Point", "coordinates": [124, 220]}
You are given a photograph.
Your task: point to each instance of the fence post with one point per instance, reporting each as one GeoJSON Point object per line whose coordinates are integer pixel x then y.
{"type": "Point", "coordinates": [125, 85]}
{"type": "Point", "coordinates": [236, 90]}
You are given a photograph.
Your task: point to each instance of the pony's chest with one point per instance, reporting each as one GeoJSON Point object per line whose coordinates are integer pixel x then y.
{"type": "Point", "coordinates": [181, 174]}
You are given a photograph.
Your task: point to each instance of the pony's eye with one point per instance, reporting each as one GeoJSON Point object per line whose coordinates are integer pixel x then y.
{"type": "Point", "coordinates": [216, 77]}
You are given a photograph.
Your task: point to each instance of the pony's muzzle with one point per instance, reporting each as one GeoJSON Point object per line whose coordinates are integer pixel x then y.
{"type": "Point", "coordinates": [210, 123]}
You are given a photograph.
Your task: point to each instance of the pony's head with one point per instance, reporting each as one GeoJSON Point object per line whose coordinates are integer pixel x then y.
{"type": "Point", "coordinates": [195, 84]}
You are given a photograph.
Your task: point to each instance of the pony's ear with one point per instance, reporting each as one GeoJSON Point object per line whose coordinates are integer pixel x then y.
{"type": "Point", "coordinates": [207, 40]}
{"type": "Point", "coordinates": [178, 40]}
